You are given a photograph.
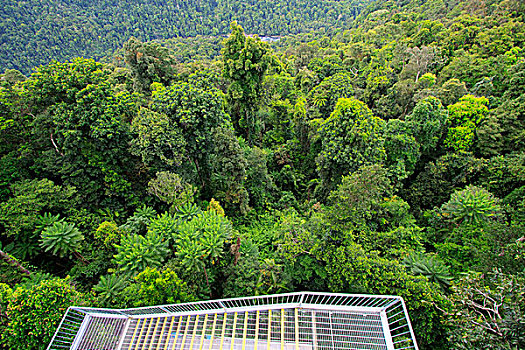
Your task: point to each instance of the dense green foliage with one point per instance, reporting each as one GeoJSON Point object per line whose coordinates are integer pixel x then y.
{"type": "Point", "coordinates": [33, 31]}
{"type": "Point", "coordinates": [385, 156]}
{"type": "Point", "coordinates": [34, 313]}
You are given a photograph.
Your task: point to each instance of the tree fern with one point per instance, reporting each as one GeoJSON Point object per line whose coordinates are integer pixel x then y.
{"type": "Point", "coordinates": [61, 239]}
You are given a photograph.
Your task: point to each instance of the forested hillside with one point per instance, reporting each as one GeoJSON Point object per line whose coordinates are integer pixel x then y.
{"type": "Point", "coordinates": [385, 158]}
{"type": "Point", "coordinates": [33, 32]}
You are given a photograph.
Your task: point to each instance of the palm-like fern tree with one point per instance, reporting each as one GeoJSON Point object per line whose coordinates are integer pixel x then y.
{"type": "Point", "coordinates": [472, 205]}
{"type": "Point", "coordinates": [430, 267]}
{"type": "Point", "coordinates": [137, 252]}
{"type": "Point", "coordinates": [201, 240]}
{"type": "Point", "coordinates": [62, 239]}
{"type": "Point", "coordinates": [109, 288]}
{"type": "Point", "coordinates": [187, 212]}
{"type": "Point", "coordinates": [140, 220]}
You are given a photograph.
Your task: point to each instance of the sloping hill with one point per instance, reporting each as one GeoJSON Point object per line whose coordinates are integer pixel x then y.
{"type": "Point", "coordinates": [33, 32]}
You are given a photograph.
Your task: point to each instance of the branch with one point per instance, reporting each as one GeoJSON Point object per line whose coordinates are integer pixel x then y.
{"type": "Point", "coordinates": [493, 331]}
{"type": "Point", "coordinates": [55, 145]}
{"type": "Point", "coordinates": [14, 263]}
{"type": "Point", "coordinates": [79, 256]}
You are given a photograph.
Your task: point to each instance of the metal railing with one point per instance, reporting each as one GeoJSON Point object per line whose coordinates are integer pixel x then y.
{"type": "Point", "coordinates": [298, 321]}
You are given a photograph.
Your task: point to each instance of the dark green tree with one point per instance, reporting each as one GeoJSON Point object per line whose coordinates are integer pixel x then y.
{"type": "Point", "coordinates": [158, 139]}
{"type": "Point", "coordinates": [511, 113]}
{"type": "Point", "coordinates": [149, 63]}
{"type": "Point", "coordinates": [193, 113]}
{"type": "Point", "coordinates": [21, 215]}
{"type": "Point", "coordinates": [325, 95]}
{"type": "Point", "coordinates": [428, 123]}
{"type": "Point", "coordinates": [351, 137]}
{"type": "Point", "coordinates": [81, 130]}
{"type": "Point", "coordinates": [228, 167]}
{"type": "Point", "coordinates": [245, 61]}
{"type": "Point", "coordinates": [402, 149]}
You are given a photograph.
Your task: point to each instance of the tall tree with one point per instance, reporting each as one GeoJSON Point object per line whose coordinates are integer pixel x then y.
{"type": "Point", "coordinates": [512, 111]}
{"type": "Point", "coordinates": [245, 61]}
{"type": "Point", "coordinates": [80, 129]}
{"type": "Point", "coordinates": [149, 63]}
{"type": "Point", "coordinates": [351, 137]}
{"type": "Point", "coordinates": [428, 123]}
{"type": "Point", "coordinates": [179, 135]}
{"type": "Point", "coordinates": [464, 118]}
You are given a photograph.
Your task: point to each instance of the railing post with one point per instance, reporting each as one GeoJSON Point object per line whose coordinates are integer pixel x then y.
{"type": "Point", "coordinates": [81, 332]}
{"type": "Point", "coordinates": [386, 331]}
{"type": "Point", "coordinates": [58, 329]}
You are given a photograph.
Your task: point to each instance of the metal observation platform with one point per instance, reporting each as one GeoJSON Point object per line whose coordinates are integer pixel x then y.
{"type": "Point", "coordinates": [294, 321]}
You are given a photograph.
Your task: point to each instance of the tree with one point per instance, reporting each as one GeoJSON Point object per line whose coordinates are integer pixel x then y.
{"type": "Point", "coordinates": [5, 295]}
{"type": "Point", "coordinates": [325, 95]}
{"type": "Point", "coordinates": [170, 188]}
{"type": "Point", "coordinates": [242, 276]}
{"type": "Point", "coordinates": [422, 60]}
{"type": "Point", "coordinates": [270, 280]}
{"type": "Point", "coordinates": [429, 266]}
{"type": "Point", "coordinates": [136, 252]}
{"type": "Point", "coordinates": [200, 246]}
{"type": "Point", "coordinates": [364, 209]}
{"type": "Point", "coordinates": [159, 141]}
{"type": "Point", "coordinates": [11, 270]}
{"type": "Point", "coordinates": [472, 205]}
{"type": "Point", "coordinates": [165, 226]}
{"type": "Point", "coordinates": [21, 214]}
{"type": "Point", "coordinates": [478, 247]}
{"type": "Point", "coordinates": [259, 183]}
{"type": "Point", "coordinates": [149, 63]}
{"type": "Point", "coordinates": [352, 269]}
{"type": "Point", "coordinates": [356, 200]}
{"type": "Point", "coordinates": [351, 137]}
{"type": "Point", "coordinates": [138, 223]}
{"type": "Point", "coordinates": [437, 181]}
{"type": "Point", "coordinates": [428, 123]}
{"type": "Point", "coordinates": [154, 287]}
{"type": "Point", "coordinates": [504, 174]}
{"type": "Point", "coordinates": [12, 76]}
{"type": "Point", "coordinates": [80, 130]}
{"type": "Point", "coordinates": [109, 290]}
{"type": "Point", "coordinates": [326, 66]}
{"type": "Point", "coordinates": [451, 91]}
{"type": "Point", "coordinates": [464, 118]}
{"type": "Point", "coordinates": [511, 113]}
{"type": "Point", "coordinates": [34, 313]}
{"type": "Point", "coordinates": [487, 312]}
{"type": "Point", "coordinates": [60, 82]}
{"type": "Point", "coordinates": [193, 113]}
{"type": "Point", "coordinates": [397, 101]}
{"type": "Point", "coordinates": [228, 167]}
{"type": "Point", "coordinates": [402, 149]}
{"type": "Point", "coordinates": [62, 239]}
{"type": "Point", "coordinates": [245, 61]}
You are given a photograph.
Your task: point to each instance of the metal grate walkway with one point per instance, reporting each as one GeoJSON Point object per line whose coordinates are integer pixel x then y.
{"type": "Point", "coordinates": [295, 321]}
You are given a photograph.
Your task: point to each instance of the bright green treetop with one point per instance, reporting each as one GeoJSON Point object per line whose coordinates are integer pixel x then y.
{"type": "Point", "coordinates": [351, 137]}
